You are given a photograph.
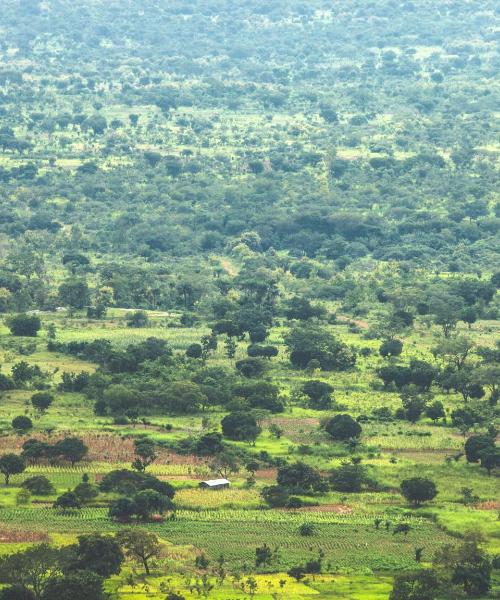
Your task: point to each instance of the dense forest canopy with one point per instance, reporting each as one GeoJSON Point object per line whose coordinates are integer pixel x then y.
{"type": "Point", "coordinates": [344, 132]}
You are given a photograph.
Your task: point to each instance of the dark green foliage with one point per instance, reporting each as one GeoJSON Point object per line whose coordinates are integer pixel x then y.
{"type": "Point", "coordinates": [348, 477]}
{"type": "Point", "coordinates": [79, 585]}
{"type": "Point", "coordinates": [22, 423]}
{"type": "Point", "coordinates": [11, 464]}
{"type": "Point", "coordinates": [98, 553]}
{"type": "Point", "coordinates": [299, 478]}
{"type": "Point", "coordinates": [476, 445]}
{"type": "Point", "coordinates": [129, 482]}
{"type": "Point", "coordinates": [251, 367]}
{"type": "Point", "coordinates": [418, 585]}
{"type": "Point", "coordinates": [24, 325]}
{"type": "Point", "coordinates": [342, 427]}
{"type": "Point", "coordinates": [306, 343]}
{"type": "Point", "coordinates": [39, 485]}
{"type": "Point", "coordinates": [318, 393]}
{"type": "Point", "coordinates": [391, 348]}
{"type": "Point", "coordinates": [42, 401]}
{"type": "Point", "coordinates": [67, 502]}
{"type": "Point", "coordinates": [418, 490]}
{"type": "Point", "coordinates": [17, 592]}
{"type": "Point", "coordinates": [70, 448]}
{"type": "Point", "coordinates": [240, 426]}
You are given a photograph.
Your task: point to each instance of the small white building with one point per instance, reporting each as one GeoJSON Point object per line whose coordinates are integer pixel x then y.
{"type": "Point", "coordinates": [215, 484]}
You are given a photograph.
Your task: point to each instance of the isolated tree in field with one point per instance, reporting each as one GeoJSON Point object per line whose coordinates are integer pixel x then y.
{"type": "Point", "coordinates": [343, 427]}
{"type": "Point", "coordinates": [86, 491]}
{"type": "Point", "coordinates": [145, 450]}
{"type": "Point", "coordinates": [297, 573]}
{"type": "Point", "coordinates": [276, 496]}
{"type": "Point", "coordinates": [11, 464]}
{"type": "Point", "coordinates": [71, 448]}
{"type": "Point", "coordinates": [24, 325]}
{"type": "Point", "coordinates": [35, 450]}
{"type": "Point", "coordinates": [403, 528]}
{"type": "Point", "coordinates": [22, 424]}
{"type": "Point", "coordinates": [41, 401]}
{"type": "Point", "coordinates": [489, 458]}
{"type": "Point", "coordinates": [139, 545]}
{"type": "Point", "coordinates": [97, 123]}
{"type": "Point", "coordinates": [263, 555]}
{"type": "Point", "coordinates": [38, 485]}
{"type": "Point", "coordinates": [415, 585]}
{"type": "Point", "coordinates": [225, 463]}
{"type": "Point", "coordinates": [418, 490]}
{"type": "Point", "coordinates": [67, 502]}
{"type": "Point", "coordinates": [240, 426]}
{"type": "Point", "coordinates": [99, 553]}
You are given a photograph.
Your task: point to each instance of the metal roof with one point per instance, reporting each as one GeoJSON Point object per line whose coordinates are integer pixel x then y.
{"type": "Point", "coordinates": [214, 482]}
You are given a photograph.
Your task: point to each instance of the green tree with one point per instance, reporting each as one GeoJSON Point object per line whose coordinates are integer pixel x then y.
{"type": "Point", "coordinates": [342, 427]}
{"type": "Point", "coordinates": [67, 501]}
{"type": "Point", "coordinates": [24, 325]}
{"type": "Point", "coordinates": [418, 490]}
{"type": "Point", "coordinates": [240, 426]}
{"type": "Point", "coordinates": [99, 553]}
{"type": "Point", "coordinates": [145, 451]}
{"type": "Point", "coordinates": [415, 585]}
{"type": "Point", "coordinates": [38, 485]}
{"type": "Point", "coordinates": [78, 585]}
{"type": "Point", "coordinates": [41, 401]}
{"type": "Point", "coordinates": [311, 342]}
{"type": "Point", "coordinates": [71, 448]}
{"type": "Point", "coordinates": [11, 464]}
{"type": "Point", "coordinates": [22, 424]}
{"type": "Point", "coordinates": [139, 545]}
{"type": "Point", "coordinates": [31, 568]}
{"type": "Point", "coordinates": [74, 292]}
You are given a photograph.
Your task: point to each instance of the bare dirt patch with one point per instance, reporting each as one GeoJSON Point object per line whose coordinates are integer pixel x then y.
{"type": "Point", "coordinates": [18, 536]}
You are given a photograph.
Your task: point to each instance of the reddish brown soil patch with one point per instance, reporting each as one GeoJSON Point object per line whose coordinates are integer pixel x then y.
{"type": "Point", "coordinates": [266, 474]}
{"type": "Point", "coordinates": [361, 324]}
{"type": "Point", "coordinates": [490, 505]}
{"type": "Point", "coordinates": [103, 447]}
{"type": "Point", "coordinates": [15, 536]}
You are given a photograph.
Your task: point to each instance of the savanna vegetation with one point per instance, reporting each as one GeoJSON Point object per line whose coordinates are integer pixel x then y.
{"type": "Point", "coordinates": [253, 241]}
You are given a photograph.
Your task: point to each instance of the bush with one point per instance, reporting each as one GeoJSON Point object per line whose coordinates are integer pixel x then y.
{"type": "Point", "coordinates": [39, 485]}
{"type": "Point", "coordinates": [22, 423]}
{"type": "Point", "coordinates": [24, 325]}
{"type": "Point", "coordinates": [343, 427]}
